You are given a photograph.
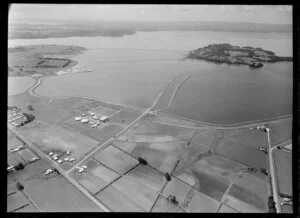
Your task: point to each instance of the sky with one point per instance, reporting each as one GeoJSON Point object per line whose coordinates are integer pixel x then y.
{"type": "Point", "coordinates": [279, 14]}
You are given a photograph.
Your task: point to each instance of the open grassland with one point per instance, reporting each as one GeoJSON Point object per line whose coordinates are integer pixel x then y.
{"type": "Point", "coordinates": [61, 196]}
{"type": "Point", "coordinates": [287, 209]}
{"type": "Point", "coordinates": [212, 164]}
{"type": "Point", "coordinates": [98, 178]}
{"type": "Point", "coordinates": [154, 129]}
{"type": "Point", "coordinates": [117, 201]}
{"type": "Point", "coordinates": [116, 159]}
{"type": "Point", "coordinates": [147, 176]}
{"type": "Point", "coordinates": [146, 131]}
{"type": "Point", "coordinates": [239, 196]}
{"type": "Point", "coordinates": [139, 193]}
{"type": "Point", "coordinates": [205, 138]}
{"type": "Point", "coordinates": [240, 206]}
{"type": "Point", "coordinates": [14, 159]}
{"type": "Point", "coordinates": [42, 110]}
{"type": "Point", "coordinates": [211, 184]}
{"type": "Point", "coordinates": [27, 155]}
{"type": "Point", "coordinates": [104, 111]}
{"type": "Point", "coordinates": [12, 141]}
{"type": "Point", "coordinates": [27, 209]}
{"type": "Point", "coordinates": [125, 116]}
{"type": "Point", "coordinates": [16, 201]}
{"type": "Point", "coordinates": [283, 166]}
{"type": "Point", "coordinates": [168, 120]}
{"type": "Point", "coordinates": [243, 153]}
{"type": "Point", "coordinates": [250, 137]}
{"type": "Point", "coordinates": [52, 193]}
{"type": "Point", "coordinates": [281, 131]}
{"type": "Point", "coordinates": [59, 139]}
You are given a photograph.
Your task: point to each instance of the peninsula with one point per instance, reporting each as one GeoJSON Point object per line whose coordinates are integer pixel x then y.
{"type": "Point", "coordinates": [41, 60]}
{"type": "Point", "coordinates": [226, 53]}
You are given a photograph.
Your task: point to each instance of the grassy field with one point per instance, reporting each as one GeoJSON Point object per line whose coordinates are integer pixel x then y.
{"type": "Point", "coordinates": [125, 116]}
{"type": "Point", "coordinates": [147, 176]}
{"type": "Point", "coordinates": [117, 201]}
{"type": "Point", "coordinates": [154, 129]}
{"type": "Point", "coordinates": [28, 209]}
{"type": "Point", "coordinates": [125, 146]}
{"type": "Point", "coordinates": [200, 203]}
{"type": "Point", "coordinates": [211, 184]}
{"type": "Point", "coordinates": [287, 209]}
{"type": "Point", "coordinates": [252, 138]}
{"type": "Point", "coordinates": [245, 200]}
{"type": "Point", "coordinates": [173, 121]}
{"type": "Point", "coordinates": [59, 139]}
{"type": "Point", "coordinates": [12, 141]}
{"type": "Point", "coordinates": [139, 193]}
{"type": "Point", "coordinates": [283, 166]}
{"type": "Point", "coordinates": [98, 178]}
{"type": "Point", "coordinates": [280, 131]}
{"type": "Point", "coordinates": [52, 194]}
{"type": "Point", "coordinates": [240, 206]}
{"type": "Point", "coordinates": [16, 201]}
{"type": "Point", "coordinates": [27, 155]}
{"type": "Point", "coordinates": [212, 164]}
{"type": "Point", "coordinates": [14, 159]}
{"type": "Point", "coordinates": [116, 159]}
{"type": "Point", "coordinates": [246, 154]}
{"type": "Point", "coordinates": [205, 138]}
{"type": "Point", "coordinates": [104, 111]}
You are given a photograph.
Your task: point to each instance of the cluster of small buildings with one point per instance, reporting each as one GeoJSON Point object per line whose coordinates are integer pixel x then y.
{"type": "Point", "coordinates": [287, 201]}
{"type": "Point", "coordinates": [263, 149]}
{"type": "Point", "coordinates": [91, 118]}
{"type": "Point", "coordinates": [262, 128]}
{"type": "Point", "coordinates": [81, 169]}
{"type": "Point", "coordinates": [58, 157]}
{"type": "Point", "coordinates": [15, 117]}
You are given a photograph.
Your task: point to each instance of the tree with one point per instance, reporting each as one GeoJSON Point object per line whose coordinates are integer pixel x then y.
{"type": "Point", "coordinates": [264, 171]}
{"type": "Point", "coordinates": [271, 205]}
{"type": "Point", "coordinates": [173, 200]}
{"type": "Point", "coordinates": [168, 177]}
{"type": "Point", "coordinates": [142, 161]}
{"type": "Point", "coordinates": [20, 187]}
{"type": "Point", "coordinates": [20, 166]}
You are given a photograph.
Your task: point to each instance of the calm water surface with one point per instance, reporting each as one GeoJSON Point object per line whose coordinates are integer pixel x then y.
{"type": "Point", "coordinates": [135, 69]}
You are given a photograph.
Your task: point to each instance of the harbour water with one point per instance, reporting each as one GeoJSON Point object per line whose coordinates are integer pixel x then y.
{"type": "Point", "coordinates": [134, 69]}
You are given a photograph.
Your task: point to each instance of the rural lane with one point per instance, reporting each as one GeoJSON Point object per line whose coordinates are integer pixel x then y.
{"type": "Point", "coordinates": [273, 177]}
